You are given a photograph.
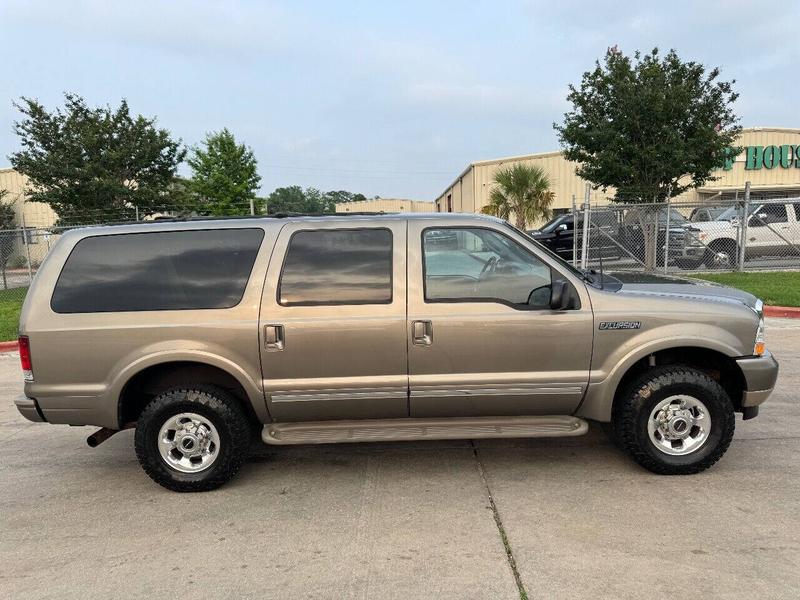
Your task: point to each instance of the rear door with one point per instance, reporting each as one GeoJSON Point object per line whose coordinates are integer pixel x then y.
{"type": "Point", "coordinates": [333, 321]}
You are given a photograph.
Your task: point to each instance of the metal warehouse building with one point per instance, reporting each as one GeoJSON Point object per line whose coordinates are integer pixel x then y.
{"type": "Point", "coordinates": [770, 161]}
{"type": "Point", "coordinates": [388, 205]}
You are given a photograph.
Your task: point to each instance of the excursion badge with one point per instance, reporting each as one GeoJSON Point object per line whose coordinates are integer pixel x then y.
{"type": "Point", "coordinates": [609, 325]}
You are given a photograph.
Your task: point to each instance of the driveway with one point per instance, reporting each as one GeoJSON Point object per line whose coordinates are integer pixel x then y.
{"type": "Point", "coordinates": [556, 518]}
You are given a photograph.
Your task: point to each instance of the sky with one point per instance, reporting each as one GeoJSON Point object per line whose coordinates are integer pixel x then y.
{"type": "Point", "coordinates": [392, 99]}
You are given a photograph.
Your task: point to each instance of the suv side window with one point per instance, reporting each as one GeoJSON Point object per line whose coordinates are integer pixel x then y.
{"type": "Point", "coordinates": [482, 265]}
{"type": "Point", "coordinates": [337, 266]}
{"type": "Point", "coordinates": [768, 214]}
{"type": "Point", "coordinates": [171, 270]}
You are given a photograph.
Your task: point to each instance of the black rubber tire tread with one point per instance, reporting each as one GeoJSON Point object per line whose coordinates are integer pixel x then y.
{"type": "Point", "coordinates": [218, 405]}
{"type": "Point", "coordinates": [633, 409]}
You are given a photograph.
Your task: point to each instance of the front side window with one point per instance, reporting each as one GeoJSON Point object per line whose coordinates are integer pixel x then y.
{"type": "Point", "coordinates": [337, 266]}
{"type": "Point", "coordinates": [481, 265]}
{"type": "Point", "coordinates": [769, 214]}
{"type": "Point", "coordinates": [171, 270]}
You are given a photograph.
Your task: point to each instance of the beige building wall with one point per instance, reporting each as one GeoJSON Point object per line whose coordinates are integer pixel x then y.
{"type": "Point", "coordinates": [388, 205]}
{"type": "Point", "coordinates": [36, 214]}
{"type": "Point", "coordinates": [470, 190]}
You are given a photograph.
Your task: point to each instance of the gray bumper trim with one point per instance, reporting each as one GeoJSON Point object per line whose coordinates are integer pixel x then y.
{"type": "Point", "coordinates": [28, 408]}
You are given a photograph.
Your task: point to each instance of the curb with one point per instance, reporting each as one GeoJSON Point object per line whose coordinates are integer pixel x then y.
{"type": "Point", "coordinates": [787, 312]}
{"type": "Point", "coordinates": [12, 346]}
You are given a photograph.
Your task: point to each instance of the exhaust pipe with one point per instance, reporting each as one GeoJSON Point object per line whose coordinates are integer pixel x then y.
{"type": "Point", "coordinates": [100, 436]}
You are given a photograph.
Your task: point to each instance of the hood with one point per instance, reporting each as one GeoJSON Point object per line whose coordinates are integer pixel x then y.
{"type": "Point", "coordinates": [666, 285]}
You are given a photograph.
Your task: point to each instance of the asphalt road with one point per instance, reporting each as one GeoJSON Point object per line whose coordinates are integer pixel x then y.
{"type": "Point", "coordinates": [406, 520]}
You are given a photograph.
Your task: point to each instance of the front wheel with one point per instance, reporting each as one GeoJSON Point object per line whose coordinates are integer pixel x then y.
{"type": "Point", "coordinates": [192, 439]}
{"type": "Point", "coordinates": [674, 420]}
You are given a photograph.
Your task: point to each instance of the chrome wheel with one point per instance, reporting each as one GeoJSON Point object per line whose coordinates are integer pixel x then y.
{"type": "Point", "coordinates": [679, 425]}
{"type": "Point", "coordinates": [188, 442]}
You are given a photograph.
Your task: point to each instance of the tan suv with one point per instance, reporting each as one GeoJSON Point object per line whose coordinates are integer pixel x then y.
{"type": "Point", "coordinates": [303, 330]}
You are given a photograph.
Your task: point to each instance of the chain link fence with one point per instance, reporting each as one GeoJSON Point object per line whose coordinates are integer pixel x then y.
{"type": "Point", "coordinates": [726, 233]}
{"type": "Point", "coordinates": [730, 232]}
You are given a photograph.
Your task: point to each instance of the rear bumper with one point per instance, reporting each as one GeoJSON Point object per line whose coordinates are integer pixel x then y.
{"type": "Point", "coordinates": [29, 409]}
{"type": "Point", "coordinates": [760, 374]}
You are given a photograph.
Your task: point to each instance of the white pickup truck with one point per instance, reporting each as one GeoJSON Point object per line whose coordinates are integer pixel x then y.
{"type": "Point", "coordinates": [773, 229]}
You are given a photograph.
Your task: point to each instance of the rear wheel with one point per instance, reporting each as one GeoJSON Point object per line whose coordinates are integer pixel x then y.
{"type": "Point", "coordinates": [674, 420]}
{"type": "Point", "coordinates": [192, 439]}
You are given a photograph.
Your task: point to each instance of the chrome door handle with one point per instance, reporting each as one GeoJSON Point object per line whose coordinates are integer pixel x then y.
{"type": "Point", "coordinates": [421, 333]}
{"type": "Point", "coordinates": [273, 338]}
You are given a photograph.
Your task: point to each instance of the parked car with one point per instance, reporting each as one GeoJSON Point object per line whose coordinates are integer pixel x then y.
{"type": "Point", "coordinates": [203, 335]}
{"type": "Point", "coordinates": [559, 233]}
{"type": "Point", "coordinates": [773, 229]}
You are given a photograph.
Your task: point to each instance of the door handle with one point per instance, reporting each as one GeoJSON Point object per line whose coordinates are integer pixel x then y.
{"type": "Point", "coordinates": [273, 338]}
{"type": "Point", "coordinates": [421, 333]}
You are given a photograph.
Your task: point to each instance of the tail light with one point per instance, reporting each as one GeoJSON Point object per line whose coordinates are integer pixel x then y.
{"type": "Point", "coordinates": [25, 357]}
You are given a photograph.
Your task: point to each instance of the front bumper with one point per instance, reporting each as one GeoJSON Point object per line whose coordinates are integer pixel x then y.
{"type": "Point", "coordinates": [29, 409]}
{"type": "Point", "coordinates": [760, 374]}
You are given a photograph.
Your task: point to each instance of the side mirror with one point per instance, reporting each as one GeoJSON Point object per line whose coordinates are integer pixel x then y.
{"type": "Point", "coordinates": [559, 296]}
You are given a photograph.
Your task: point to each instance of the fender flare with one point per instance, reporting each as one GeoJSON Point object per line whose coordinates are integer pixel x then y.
{"type": "Point", "coordinates": [599, 398]}
{"type": "Point", "coordinates": [253, 389]}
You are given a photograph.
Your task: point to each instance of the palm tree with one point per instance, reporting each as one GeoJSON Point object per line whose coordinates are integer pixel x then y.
{"type": "Point", "coordinates": [523, 190]}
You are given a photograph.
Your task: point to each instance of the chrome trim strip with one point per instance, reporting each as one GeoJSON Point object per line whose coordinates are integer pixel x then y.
{"type": "Point", "coordinates": [339, 394]}
{"type": "Point", "coordinates": [496, 390]}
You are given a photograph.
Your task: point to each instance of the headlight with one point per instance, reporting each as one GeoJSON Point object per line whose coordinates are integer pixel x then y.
{"type": "Point", "coordinates": [760, 345]}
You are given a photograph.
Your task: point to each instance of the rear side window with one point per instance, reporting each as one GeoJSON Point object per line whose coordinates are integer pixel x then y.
{"type": "Point", "coordinates": [174, 270]}
{"type": "Point", "coordinates": [337, 266]}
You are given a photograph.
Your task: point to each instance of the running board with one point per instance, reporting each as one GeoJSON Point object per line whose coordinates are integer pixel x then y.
{"type": "Point", "coordinates": [391, 430]}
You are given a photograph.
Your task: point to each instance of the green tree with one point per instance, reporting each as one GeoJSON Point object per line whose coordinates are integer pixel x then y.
{"type": "Point", "coordinates": [294, 199]}
{"type": "Point", "coordinates": [224, 174]}
{"type": "Point", "coordinates": [8, 234]}
{"type": "Point", "coordinates": [290, 199]}
{"type": "Point", "coordinates": [92, 164]}
{"type": "Point", "coordinates": [522, 190]}
{"type": "Point", "coordinates": [651, 127]}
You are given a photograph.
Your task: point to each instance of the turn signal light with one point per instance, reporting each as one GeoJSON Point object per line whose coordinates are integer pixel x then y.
{"type": "Point", "coordinates": [760, 348]}
{"type": "Point", "coordinates": [25, 357]}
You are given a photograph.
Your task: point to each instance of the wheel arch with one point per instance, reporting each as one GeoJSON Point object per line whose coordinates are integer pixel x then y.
{"type": "Point", "coordinates": [143, 383]}
{"type": "Point", "coordinates": [717, 362]}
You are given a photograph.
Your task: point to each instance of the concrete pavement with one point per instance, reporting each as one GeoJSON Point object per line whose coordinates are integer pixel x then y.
{"type": "Point", "coordinates": [406, 520]}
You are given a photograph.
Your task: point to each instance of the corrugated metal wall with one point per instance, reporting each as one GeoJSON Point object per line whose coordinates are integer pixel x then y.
{"type": "Point", "coordinates": [36, 213]}
{"type": "Point", "coordinates": [471, 191]}
{"type": "Point", "coordinates": [386, 205]}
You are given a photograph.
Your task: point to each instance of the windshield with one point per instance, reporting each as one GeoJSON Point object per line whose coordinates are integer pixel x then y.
{"type": "Point", "coordinates": [551, 225]}
{"type": "Point", "coordinates": [734, 212]}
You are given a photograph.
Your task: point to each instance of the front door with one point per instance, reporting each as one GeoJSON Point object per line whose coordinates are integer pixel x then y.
{"type": "Point", "coordinates": [333, 321]}
{"type": "Point", "coordinates": [482, 338]}
{"type": "Point", "coordinates": [768, 230]}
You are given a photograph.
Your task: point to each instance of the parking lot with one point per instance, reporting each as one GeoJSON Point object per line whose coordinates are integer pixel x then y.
{"type": "Point", "coordinates": [557, 518]}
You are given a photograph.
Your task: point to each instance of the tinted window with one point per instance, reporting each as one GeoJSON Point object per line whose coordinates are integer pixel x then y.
{"type": "Point", "coordinates": [768, 214]}
{"type": "Point", "coordinates": [482, 265]}
{"type": "Point", "coordinates": [337, 266]}
{"type": "Point", "coordinates": [157, 271]}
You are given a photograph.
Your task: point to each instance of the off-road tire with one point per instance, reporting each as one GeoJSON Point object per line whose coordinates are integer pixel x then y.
{"type": "Point", "coordinates": [211, 402]}
{"type": "Point", "coordinates": [632, 411]}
